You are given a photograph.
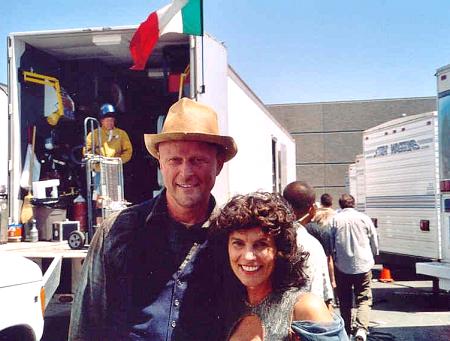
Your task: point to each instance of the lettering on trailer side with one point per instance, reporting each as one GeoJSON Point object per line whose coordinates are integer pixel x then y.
{"type": "Point", "coordinates": [381, 151]}
{"type": "Point", "coordinates": [396, 148]}
{"type": "Point", "coordinates": [405, 146]}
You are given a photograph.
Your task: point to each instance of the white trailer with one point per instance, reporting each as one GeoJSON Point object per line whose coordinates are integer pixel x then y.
{"type": "Point", "coordinates": [92, 66]}
{"type": "Point", "coordinates": [3, 135]}
{"type": "Point", "coordinates": [441, 267]}
{"type": "Point", "coordinates": [360, 194]}
{"type": "Point", "coordinates": [401, 174]}
{"type": "Point", "coordinates": [403, 194]}
{"type": "Point", "coordinates": [351, 176]}
{"type": "Point", "coordinates": [356, 182]}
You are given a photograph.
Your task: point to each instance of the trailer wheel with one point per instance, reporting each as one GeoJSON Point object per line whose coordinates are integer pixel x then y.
{"type": "Point", "coordinates": [76, 240]}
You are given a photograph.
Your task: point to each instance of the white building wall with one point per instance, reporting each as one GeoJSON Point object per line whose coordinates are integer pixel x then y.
{"type": "Point", "coordinates": [253, 128]}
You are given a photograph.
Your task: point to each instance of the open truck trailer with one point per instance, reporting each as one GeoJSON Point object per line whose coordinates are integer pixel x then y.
{"type": "Point", "coordinates": [92, 67]}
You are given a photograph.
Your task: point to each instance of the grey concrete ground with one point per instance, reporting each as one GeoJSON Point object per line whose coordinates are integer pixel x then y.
{"type": "Point", "coordinates": [404, 310]}
{"type": "Point", "coordinates": [410, 311]}
{"type": "Point", "coordinates": [407, 309]}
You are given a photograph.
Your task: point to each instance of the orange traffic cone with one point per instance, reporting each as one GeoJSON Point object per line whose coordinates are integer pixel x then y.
{"type": "Point", "coordinates": [385, 275]}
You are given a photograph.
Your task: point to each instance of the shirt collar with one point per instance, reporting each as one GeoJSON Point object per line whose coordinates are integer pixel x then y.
{"type": "Point", "coordinates": [159, 209]}
{"type": "Point", "coordinates": [297, 224]}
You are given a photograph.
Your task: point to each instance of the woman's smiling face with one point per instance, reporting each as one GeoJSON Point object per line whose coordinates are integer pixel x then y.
{"type": "Point", "coordinates": [252, 254]}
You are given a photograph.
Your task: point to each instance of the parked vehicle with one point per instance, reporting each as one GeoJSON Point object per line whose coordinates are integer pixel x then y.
{"type": "Point", "coordinates": [350, 180]}
{"type": "Point", "coordinates": [24, 295]}
{"type": "Point", "coordinates": [402, 193]}
{"type": "Point", "coordinates": [401, 184]}
{"type": "Point", "coordinates": [3, 137]}
{"type": "Point", "coordinates": [58, 78]}
{"type": "Point", "coordinates": [355, 183]}
{"type": "Point", "coordinates": [91, 67]}
{"type": "Point", "coordinates": [3, 166]}
{"type": "Point", "coordinates": [440, 268]}
{"type": "Point", "coordinates": [360, 189]}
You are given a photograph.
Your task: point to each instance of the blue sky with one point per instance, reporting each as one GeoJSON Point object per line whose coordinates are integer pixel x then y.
{"type": "Point", "coordinates": [287, 51]}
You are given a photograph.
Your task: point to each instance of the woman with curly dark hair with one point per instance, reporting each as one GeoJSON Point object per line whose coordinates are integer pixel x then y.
{"type": "Point", "coordinates": [255, 243]}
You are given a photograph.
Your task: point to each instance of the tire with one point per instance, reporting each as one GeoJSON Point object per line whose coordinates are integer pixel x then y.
{"type": "Point", "coordinates": [17, 333]}
{"type": "Point", "coordinates": [76, 240]}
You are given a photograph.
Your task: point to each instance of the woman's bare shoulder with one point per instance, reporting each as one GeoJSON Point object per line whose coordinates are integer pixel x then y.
{"type": "Point", "coordinates": [312, 308]}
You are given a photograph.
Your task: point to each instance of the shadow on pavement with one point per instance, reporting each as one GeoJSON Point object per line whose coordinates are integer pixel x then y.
{"type": "Point", "coordinates": [56, 320]}
{"type": "Point", "coordinates": [56, 328]}
{"type": "Point", "coordinates": [406, 299]}
{"type": "Point", "coordinates": [430, 333]}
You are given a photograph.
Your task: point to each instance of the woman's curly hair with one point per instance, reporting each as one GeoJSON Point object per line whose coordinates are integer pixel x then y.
{"type": "Point", "coordinates": [274, 216]}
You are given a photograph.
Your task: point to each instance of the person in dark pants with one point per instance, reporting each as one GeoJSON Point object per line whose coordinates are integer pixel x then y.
{"type": "Point", "coordinates": [355, 242]}
{"type": "Point", "coordinates": [146, 275]}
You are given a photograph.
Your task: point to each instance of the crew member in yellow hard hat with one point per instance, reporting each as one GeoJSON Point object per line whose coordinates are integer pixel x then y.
{"type": "Point", "coordinates": [115, 141]}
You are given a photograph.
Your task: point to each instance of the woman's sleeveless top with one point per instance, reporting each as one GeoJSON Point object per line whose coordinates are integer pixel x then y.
{"type": "Point", "coordinates": [275, 314]}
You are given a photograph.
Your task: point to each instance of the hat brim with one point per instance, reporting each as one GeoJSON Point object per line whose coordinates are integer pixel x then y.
{"type": "Point", "coordinates": [227, 144]}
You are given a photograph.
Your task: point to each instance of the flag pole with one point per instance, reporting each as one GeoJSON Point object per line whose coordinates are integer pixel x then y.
{"type": "Point", "coordinates": [202, 87]}
{"type": "Point", "coordinates": [193, 68]}
{"type": "Point", "coordinates": [197, 88]}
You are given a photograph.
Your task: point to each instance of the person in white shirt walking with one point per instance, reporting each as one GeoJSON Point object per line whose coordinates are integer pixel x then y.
{"type": "Point", "coordinates": [302, 197]}
{"type": "Point", "coordinates": [354, 242]}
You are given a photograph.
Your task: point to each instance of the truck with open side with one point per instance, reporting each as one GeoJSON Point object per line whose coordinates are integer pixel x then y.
{"type": "Point", "coordinates": [77, 70]}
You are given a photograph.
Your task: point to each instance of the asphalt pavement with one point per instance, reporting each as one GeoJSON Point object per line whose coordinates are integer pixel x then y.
{"type": "Point", "coordinates": [408, 310]}
{"type": "Point", "coordinates": [403, 310]}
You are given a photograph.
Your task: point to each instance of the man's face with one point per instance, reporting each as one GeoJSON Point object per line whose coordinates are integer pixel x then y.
{"type": "Point", "coordinates": [189, 170]}
{"type": "Point", "coordinates": [108, 123]}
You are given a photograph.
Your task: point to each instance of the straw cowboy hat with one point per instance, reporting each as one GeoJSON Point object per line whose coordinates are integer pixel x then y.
{"type": "Point", "coordinates": [188, 120]}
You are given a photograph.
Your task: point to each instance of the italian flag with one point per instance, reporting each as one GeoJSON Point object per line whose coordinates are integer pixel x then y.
{"type": "Point", "coordinates": [180, 16]}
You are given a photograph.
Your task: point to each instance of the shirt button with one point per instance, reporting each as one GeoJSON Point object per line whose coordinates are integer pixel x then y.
{"type": "Point", "coordinates": [173, 324]}
{"type": "Point", "coordinates": [176, 303]}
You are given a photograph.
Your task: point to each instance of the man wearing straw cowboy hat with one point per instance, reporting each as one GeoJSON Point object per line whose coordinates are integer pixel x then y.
{"type": "Point", "coordinates": [143, 277]}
